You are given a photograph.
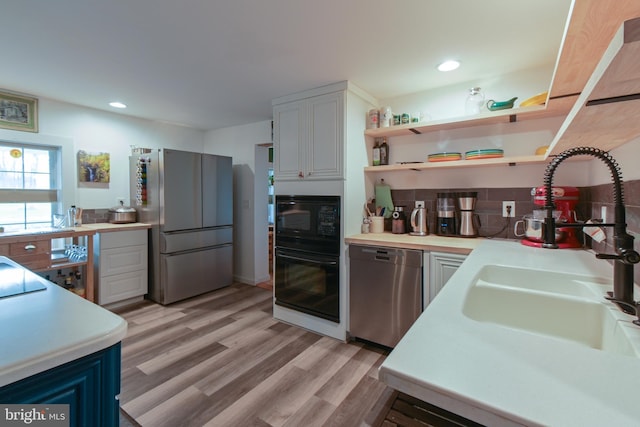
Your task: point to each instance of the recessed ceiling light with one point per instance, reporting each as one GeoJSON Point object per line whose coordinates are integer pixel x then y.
{"type": "Point", "coordinates": [116, 104]}
{"type": "Point", "coordinates": [448, 65]}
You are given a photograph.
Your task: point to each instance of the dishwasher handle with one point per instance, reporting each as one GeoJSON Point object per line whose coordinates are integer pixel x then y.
{"type": "Point", "coordinates": [383, 254]}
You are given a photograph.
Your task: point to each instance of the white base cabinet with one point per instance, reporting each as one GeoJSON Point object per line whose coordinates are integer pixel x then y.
{"type": "Point", "coordinates": [121, 266]}
{"type": "Point", "coordinates": [441, 266]}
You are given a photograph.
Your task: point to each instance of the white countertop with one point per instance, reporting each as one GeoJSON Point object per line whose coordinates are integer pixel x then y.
{"type": "Point", "coordinates": [99, 227]}
{"type": "Point", "coordinates": [104, 227]}
{"type": "Point", "coordinates": [496, 375]}
{"type": "Point", "coordinates": [44, 329]}
{"type": "Point", "coordinates": [429, 242]}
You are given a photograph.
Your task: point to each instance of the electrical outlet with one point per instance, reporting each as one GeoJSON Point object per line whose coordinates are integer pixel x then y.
{"type": "Point", "coordinates": [509, 209]}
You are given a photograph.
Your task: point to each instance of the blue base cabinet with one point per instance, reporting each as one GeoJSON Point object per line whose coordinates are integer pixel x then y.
{"type": "Point", "coordinates": [89, 385]}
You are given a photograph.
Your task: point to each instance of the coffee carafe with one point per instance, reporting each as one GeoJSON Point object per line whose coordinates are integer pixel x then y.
{"type": "Point", "coordinates": [446, 224]}
{"type": "Point", "coordinates": [419, 220]}
{"type": "Point", "coordinates": [469, 221]}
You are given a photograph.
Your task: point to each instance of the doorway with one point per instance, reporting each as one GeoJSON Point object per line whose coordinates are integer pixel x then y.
{"type": "Point", "coordinates": [264, 191]}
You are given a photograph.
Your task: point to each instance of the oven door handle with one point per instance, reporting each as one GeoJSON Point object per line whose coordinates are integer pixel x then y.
{"type": "Point", "coordinates": [314, 261]}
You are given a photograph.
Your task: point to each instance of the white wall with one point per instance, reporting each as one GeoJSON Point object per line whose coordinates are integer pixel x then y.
{"type": "Point", "coordinates": [78, 128]}
{"type": "Point", "coordinates": [250, 196]}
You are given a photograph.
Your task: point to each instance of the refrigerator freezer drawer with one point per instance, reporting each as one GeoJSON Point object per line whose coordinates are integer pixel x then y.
{"type": "Point", "coordinates": [195, 239]}
{"type": "Point", "coordinates": [193, 273]}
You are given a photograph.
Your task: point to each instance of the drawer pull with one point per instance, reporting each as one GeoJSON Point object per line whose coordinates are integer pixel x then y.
{"type": "Point", "coordinates": [29, 247]}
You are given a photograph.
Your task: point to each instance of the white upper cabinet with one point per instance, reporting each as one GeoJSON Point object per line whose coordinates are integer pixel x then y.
{"type": "Point", "coordinates": [326, 136]}
{"type": "Point", "coordinates": [308, 138]}
{"type": "Point", "coordinates": [289, 142]}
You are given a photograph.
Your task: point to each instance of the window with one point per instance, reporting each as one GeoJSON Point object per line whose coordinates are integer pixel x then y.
{"type": "Point", "coordinates": [30, 185]}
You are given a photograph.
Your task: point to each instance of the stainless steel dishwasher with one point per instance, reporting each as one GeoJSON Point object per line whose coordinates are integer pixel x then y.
{"type": "Point", "coordinates": [385, 292]}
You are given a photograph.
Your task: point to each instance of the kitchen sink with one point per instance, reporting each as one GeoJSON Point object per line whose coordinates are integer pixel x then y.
{"type": "Point", "coordinates": [544, 281]}
{"type": "Point", "coordinates": [564, 306]}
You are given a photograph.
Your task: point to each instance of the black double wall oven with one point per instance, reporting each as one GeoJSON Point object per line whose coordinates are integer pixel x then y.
{"type": "Point", "coordinates": [307, 255]}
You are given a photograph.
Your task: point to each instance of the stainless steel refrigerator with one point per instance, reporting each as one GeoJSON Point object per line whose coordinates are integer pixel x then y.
{"type": "Point", "coordinates": [188, 199]}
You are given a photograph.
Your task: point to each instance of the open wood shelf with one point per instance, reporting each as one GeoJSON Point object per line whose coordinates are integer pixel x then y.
{"type": "Point", "coordinates": [559, 107]}
{"type": "Point", "coordinates": [605, 114]}
{"type": "Point", "coordinates": [507, 161]}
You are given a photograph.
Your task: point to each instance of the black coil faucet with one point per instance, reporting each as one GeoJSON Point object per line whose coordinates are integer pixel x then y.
{"type": "Point", "coordinates": [625, 256]}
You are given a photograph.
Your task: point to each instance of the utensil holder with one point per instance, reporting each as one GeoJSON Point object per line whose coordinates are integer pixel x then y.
{"type": "Point", "coordinates": [377, 224]}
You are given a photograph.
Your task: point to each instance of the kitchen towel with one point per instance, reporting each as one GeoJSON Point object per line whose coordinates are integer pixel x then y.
{"type": "Point", "coordinates": [383, 198]}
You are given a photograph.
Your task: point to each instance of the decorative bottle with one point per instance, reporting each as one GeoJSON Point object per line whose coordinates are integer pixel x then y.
{"type": "Point", "coordinates": [475, 101]}
{"type": "Point", "coordinates": [384, 152]}
{"type": "Point", "coordinates": [376, 152]}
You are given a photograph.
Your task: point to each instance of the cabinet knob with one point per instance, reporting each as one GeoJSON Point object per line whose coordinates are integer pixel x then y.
{"type": "Point", "coordinates": [29, 247]}
{"type": "Point", "coordinates": [300, 174]}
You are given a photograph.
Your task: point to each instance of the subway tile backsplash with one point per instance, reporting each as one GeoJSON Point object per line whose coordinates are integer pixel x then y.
{"type": "Point", "coordinates": [95, 216]}
{"type": "Point", "coordinates": [489, 210]}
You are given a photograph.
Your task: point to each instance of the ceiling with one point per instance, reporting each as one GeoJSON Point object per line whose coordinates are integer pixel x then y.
{"type": "Point", "coordinates": [210, 63]}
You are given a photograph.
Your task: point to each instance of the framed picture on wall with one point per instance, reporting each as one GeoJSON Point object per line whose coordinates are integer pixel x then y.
{"type": "Point", "coordinates": [94, 169]}
{"type": "Point", "coordinates": [18, 112]}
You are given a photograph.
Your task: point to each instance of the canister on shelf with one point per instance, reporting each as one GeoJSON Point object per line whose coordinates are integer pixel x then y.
{"type": "Point", "coordinates": [386, 117]}
{"type": "Point", "coordinates": [373, 121]}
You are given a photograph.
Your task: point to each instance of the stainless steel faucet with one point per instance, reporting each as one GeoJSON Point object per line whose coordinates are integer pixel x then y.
{"type": "Point", "coordinates": [625, 256]}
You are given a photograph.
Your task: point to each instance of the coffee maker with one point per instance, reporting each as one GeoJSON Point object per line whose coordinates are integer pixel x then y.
{"type": "Point", "coordinates": [565, 199]}
{"type": "Point", "coordinates": [446, 224]}
{"type": "Point", "coordinates": [469, 221]}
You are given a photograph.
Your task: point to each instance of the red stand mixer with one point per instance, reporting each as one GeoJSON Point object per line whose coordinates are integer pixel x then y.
{"type": "Point", "coordinates": [565, 199]}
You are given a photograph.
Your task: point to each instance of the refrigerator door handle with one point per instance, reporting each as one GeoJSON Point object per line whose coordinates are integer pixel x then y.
{"type": "Point", "coordinates": [188, 251]}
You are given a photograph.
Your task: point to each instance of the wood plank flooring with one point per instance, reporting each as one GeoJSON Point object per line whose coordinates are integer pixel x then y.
{"type": "Point", "coordinates": [222, 360]}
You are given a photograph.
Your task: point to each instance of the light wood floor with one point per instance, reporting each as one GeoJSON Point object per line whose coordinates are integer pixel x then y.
{"type": "Point", "coordinates": [222, 360]}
